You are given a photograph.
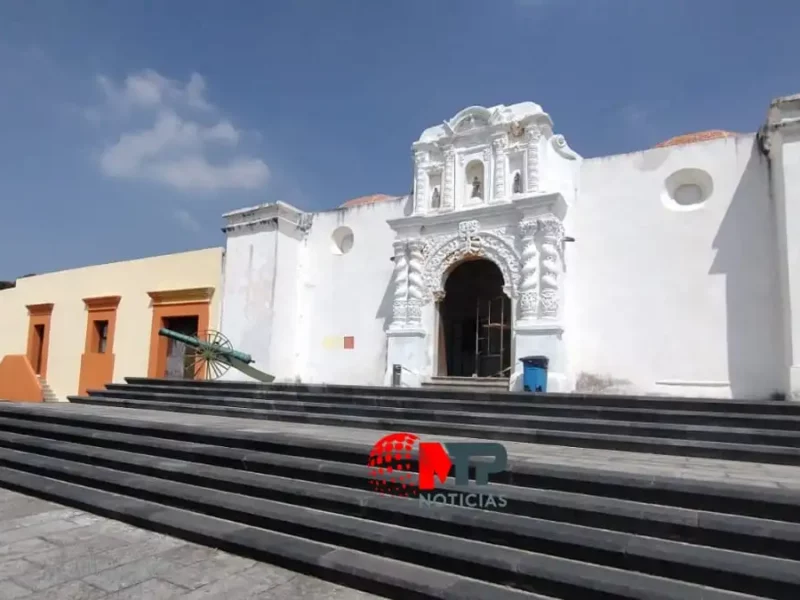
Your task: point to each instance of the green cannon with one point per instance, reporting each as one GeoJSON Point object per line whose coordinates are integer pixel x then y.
{"type": "Point", "coordinates": [213, 355]}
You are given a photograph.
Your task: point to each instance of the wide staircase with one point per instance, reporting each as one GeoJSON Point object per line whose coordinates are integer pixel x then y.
{"type": "Point", "coordinates": [605, 497]}
{"type": "Point", "coordinates": [767, 431]}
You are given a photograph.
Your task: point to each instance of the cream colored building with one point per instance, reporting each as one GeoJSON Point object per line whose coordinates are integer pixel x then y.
{"type": "Point", "coordinates": [82, 328]}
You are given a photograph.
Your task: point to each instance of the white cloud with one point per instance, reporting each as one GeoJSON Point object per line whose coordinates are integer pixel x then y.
{"type": "Point", "coordinates": [196, 173]}
{"type": "Point", "coordinates": [148, 89]}
{"type": "Point", "coordinates": [175, 150]}
{"type": "Point", "coordinates": [186, 220]}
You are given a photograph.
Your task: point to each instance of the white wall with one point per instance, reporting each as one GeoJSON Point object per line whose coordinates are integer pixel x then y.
{"type": "Point", "coordinates": [659, 298]}
{"type": "Point", "coordinates": [248, 299]}
{"type": "Point", "coordinates": [676, 302]}
{"type": "Point", "coordinates": [290, 298]}
{"type": "Point", "coordinates": [781, 137]}
{"type": "Point", "coordinates": [349, 294]}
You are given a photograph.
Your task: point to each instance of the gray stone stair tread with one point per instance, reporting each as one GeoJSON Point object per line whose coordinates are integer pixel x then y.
{"type": "Point", "coordinates": [762, 452]}
{"type": "Point", "coordinates": [448, 406]}
{"type": "Point", "coordinates": [561, 570]}
{"type": "Point", "coordinates": [599, 505]}
{"type": "Point", "coordinates": [382, 390]}
{"type": "Point", "coordinates": [565, 421]}
{"type": "Point", "coordinates": [310, 556]}
{"type": "Point", "coordinates": [360, 441]}
{"type": "Point", "coordinates": [689, 405]}
{"type": "Point", "coordinates": [507, 522]}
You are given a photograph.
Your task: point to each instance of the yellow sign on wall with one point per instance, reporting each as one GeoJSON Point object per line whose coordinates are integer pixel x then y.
{"type": "Point", "coordinates": [338, 342]}
{"type": "Point", "coordinates": [332, 342]}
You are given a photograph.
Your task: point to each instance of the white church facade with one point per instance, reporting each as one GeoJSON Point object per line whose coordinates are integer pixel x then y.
{"type": "Point", "coordinates": [672, 271]}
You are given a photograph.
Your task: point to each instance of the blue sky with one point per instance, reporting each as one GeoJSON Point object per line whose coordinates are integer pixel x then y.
{"type": "Point", "coordinates": [128, 128]}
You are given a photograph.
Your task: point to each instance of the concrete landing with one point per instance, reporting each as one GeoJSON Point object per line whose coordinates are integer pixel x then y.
{"type": "Point", "coordinates": [702, 469]}
{"type": "Point", "coordinates": [50, 552]}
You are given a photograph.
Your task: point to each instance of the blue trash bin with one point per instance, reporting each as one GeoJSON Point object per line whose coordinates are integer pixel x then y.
{"type": "Point", "coordinates": [534, 373]}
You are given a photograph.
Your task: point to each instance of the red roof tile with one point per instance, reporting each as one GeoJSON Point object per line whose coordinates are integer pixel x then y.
{"type": "Point", "coordinates": [367, 200]}
{"type": "Point", "coordinates": [692, 138]}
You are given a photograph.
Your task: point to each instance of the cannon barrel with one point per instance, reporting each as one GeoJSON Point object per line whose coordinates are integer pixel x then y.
{"type": "Point", "coordinates": [202, 345]}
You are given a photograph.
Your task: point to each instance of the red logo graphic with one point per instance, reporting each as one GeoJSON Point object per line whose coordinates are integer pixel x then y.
{"type": "Point", "coordinates": [391, 461]}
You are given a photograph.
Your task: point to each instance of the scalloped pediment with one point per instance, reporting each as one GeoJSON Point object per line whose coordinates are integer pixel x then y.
{"type": "Point", "coordinates": [470, 118]}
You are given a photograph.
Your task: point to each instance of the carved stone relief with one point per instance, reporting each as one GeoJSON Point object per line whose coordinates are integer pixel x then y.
{"type": "Point", "coordinates": [532, 137]}
{"type": "Point", "coordinates": [532, 274]}
{"type": "Point", "coordinates": [421, 189]}
{"type": "Point", "coordinates": [552, 237]}
{"type": "Point", "coordinates": [499, 146]}
{"type": "Point", "coordinates": [442, 252]}
{"type": "Point", "coordinates": [529, 276]}
{"type": "Point", "coordinates": [416, 283]}
{"type": "Point", "coordinates": [449, 178]}
{"type": "Point", "coordinates": [400, 300]}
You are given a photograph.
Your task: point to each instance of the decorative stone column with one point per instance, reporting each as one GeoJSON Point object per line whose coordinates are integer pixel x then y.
{"type": "Point", "coordinates": [488, 175]}
{"type": "Point", "coordinates": [420, 188]}
{"type": "Point", "coordinates": [539, 326]}
{"type": "Point", "coordinates": [553, 236]}
{"type": "Point", "coordinates": [400, 303]}
{"type": "Point", "coordinates": [449, 178]}
{"type": "Point", "coordinates": [405, 337]}
{"type": "Point", "coordinates": [532, 137]}
{"type": "Point", "coordinates": [499, 147]}
{"type": "Point", "coordinates": [529, 272]}
{"type": "Point", "coordinates": [416, 283]}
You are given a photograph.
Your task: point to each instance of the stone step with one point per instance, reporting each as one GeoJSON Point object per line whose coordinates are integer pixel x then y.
{"type": "Point", "coordinates": [282, 400]}
{"type": "Point", "coordinates": [423, 531]}
{"type": "Point", "coordinates": [250, 389]}
{"type": "Point", "coordinates": [369, 572]}
{"type": "Point", "coordinates": [543, 555]}
{"type": "Point", "coordinates": [788, 438]}
{"type": "Point", "coordinates": [311, 483]}
{"type": "Point", "coordinates": [47, 392]}
{"type": "Point", "coordinates": [772, 446]}
{"type": "Point", "coordinates": [233, 446]}
{"type": "Point", "coordinates": [471, 383]}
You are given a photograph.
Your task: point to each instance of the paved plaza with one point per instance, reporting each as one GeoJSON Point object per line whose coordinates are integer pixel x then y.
{"type": "Point", "coordinates": [51, 552]}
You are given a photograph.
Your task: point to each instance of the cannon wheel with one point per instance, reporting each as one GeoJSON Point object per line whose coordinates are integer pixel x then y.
{"type": "Point", "coordinates": [207, 363]}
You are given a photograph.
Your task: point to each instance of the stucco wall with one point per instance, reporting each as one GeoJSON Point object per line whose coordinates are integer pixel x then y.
{"type": "Point", "coordinates": [291, 298]}
{"type": "Point", "coordinates": [670, 301]}
{"type": "Point", "coordinates": [781, 139]}
{"type": "Point", "coordinates": [131, 280]}
{"type": "Point", "coordinates": [661, 296]}
{"type": "Point", "coordinates": [350, 294]}
{"type": "Point", "coordinates": [251, 268]}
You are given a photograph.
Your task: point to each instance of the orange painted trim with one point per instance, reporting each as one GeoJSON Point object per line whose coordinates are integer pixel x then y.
{"type": "Point", "coordinates": [18, 382]}
{"type": "Point", "coordinates": [39, 314]}
{"type": "Point", "coordinates": [97, 369]}
{"type": "Point", "coordinates": [188, 295]}
{"type": "Point", "coordinates": [194, 302]}
{"type": "Point", "coordinates": [101, 309]}
{"type": "Point", "coordinates": [36, 310]}
{"type": "Point", "coordinates": [102, 302]}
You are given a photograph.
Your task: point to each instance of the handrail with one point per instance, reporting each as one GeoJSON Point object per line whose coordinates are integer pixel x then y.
{"type": "Point", "coordinates": [500, 373]}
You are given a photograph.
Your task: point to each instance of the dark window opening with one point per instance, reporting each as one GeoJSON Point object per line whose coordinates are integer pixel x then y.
{"type": "Point", "coordinates": [38, 348]}
{"type": "Point", "coordinates": [183, 362]}
{"type": "Point", "coordinates": [101, 336]}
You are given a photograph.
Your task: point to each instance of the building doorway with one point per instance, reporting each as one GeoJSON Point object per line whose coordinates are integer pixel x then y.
{"type": "Point", "coordinates": [180, 362]}
{"type": "Point", "coordinates": [38, 347]}
{"type": "Point", "coordinates": [475, 317]}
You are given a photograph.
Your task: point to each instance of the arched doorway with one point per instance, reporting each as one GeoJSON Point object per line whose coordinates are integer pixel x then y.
{"type": "Point", "coordinates": [474, 322]}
